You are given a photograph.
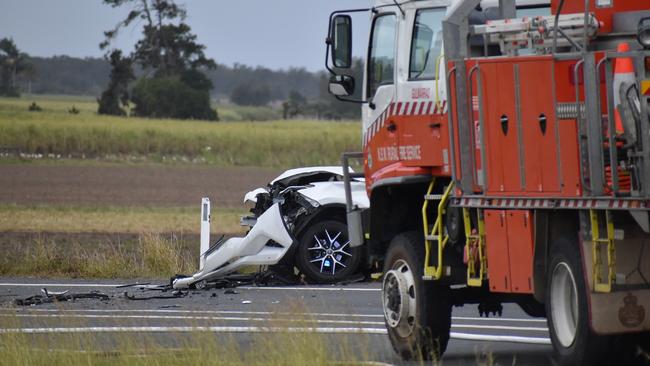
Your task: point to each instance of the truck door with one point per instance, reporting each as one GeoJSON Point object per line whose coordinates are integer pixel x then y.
{"type": "Point", "coordinates": [380, 129]}
{"type": "Point", "coordinates": [422, 89]}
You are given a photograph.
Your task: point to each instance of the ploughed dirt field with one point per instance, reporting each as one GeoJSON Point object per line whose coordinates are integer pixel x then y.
{"type": "Point", "coordinates": [149, 186]}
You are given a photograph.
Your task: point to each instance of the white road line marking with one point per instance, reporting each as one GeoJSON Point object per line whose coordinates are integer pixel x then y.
{"type": "Point", "coordinates": [313, 288]}
{"type": "Point", "coordinates": [326, 330]}
{"type": "Point", "coordinates": [104, 285]}
{"type": "Point", "coordinates": [501, 319]}
{"type": "Point", "coordinates": [500, 327]}
{"type": "Point", "coordinates": [177, 311]}
{"type": "Point", "coordinates": [9, 284]}
{"type": "Point", "coordinates": [248, 319]}
{"type": "Point", "coordinates": [195, 329]}
{"type": "Point", "coordinates": [237, 312]}
{"type": "Point", "coordinates": [167, 317]}
{"type": "Point", "coordinates": [500, 338]}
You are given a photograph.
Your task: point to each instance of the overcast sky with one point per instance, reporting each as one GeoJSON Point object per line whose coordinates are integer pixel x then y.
{"type": "Point", "coordinates": [271, 33]}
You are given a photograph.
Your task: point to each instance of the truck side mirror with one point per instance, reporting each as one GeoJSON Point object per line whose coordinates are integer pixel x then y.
{"type": "Point", "coordinates": [341, 40]}
{"type": "Point", "coordinates": [341, 85]}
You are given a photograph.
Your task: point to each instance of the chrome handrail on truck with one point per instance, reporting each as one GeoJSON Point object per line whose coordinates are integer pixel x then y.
{"type": "Point", "coordinates": [353, 213]}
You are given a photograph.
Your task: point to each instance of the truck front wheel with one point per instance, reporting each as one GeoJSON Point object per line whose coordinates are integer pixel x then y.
{"type": "Point", "coordinates": [417, 313]}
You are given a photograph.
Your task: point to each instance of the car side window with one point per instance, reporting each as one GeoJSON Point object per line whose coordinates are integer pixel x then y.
{"type": "Point", "coordinates": [426, 45]}
{"type": "Point", "coordinates": [381, 60]}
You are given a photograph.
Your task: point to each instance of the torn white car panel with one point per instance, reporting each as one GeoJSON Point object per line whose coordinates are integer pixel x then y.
{"type": "Point", "coordinates": [265, 244]}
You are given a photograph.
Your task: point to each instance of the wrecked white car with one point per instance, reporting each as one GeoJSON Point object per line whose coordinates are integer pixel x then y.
{"type": "Point", "coordinates": [298, 220]}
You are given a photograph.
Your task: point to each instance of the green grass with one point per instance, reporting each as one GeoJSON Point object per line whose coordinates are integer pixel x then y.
{"type": "Point", "coordinates": [278, 144]}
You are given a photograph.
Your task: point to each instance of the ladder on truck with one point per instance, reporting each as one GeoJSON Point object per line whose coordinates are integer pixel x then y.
{"type": "Point", "coordinates": [536, 33]}
{"type": "Point", "coordinates": [603, 284]}
{"type": "Point", "coordinates": [436, 234]}
{"type": "Point", "coordinates": [475, 253]}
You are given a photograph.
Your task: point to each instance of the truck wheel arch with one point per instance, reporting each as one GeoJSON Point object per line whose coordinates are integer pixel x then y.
{"type": "Point", "coordinates": [550, 226]}
{"type": "Point", "coordinates": [392, 211]}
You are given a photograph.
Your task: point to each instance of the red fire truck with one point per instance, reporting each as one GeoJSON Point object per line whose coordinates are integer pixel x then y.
{"type": "Point", "coordinates": [506, 148]}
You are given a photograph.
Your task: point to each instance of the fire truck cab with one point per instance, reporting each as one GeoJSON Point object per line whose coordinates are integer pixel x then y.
{"type": "Point", "coordinates": [506, 151]}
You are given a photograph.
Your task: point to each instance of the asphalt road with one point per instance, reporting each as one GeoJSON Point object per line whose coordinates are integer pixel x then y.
{"type": "Point", "coordinates": [335, 312]}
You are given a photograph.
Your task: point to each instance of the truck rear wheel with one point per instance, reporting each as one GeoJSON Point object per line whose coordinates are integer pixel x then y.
{"type": "Point", "coordinates": [567, 310]}
{"type": "Point", "coordinates": [417, 313]}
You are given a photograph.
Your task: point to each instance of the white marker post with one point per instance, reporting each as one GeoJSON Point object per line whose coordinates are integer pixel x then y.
{"type": "Point", "coordinates": [205, 229]}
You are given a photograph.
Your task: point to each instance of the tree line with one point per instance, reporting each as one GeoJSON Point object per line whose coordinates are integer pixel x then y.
{"type": "Point", "coordinates": [167, 74]}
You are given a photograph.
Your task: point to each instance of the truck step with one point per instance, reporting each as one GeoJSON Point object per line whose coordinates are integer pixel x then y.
{"type": "Point", "coordinates": [433, 197]}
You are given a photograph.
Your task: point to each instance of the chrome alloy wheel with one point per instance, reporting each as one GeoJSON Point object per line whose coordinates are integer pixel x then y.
{"type": "Point", "coordinates": [398, 298]}
{"type": "Point", "coordinates": [564, 304]}
{"type": "Point", "coordinates": [328, 252]}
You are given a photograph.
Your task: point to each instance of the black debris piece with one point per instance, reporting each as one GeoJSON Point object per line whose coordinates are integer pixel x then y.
{"type": "Point", "coordinates": [132, 285]}
{"type": "Point", "coordinates": [51, 297]}
{"type": "Point", "coordinates": [147, 287]}
{"type": "Point", "coordinates": [173, 295]}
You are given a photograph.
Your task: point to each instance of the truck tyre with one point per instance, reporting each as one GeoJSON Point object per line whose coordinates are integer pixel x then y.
{"type": "Point", "coordinates": [417, 313]}
{"type": "Point", "coordinates": [324, 253]}
{"type": "Point", "coordinates": [567, 310]}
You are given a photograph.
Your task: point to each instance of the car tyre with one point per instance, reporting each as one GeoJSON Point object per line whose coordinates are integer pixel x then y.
{"type": "Point", "coordinates": [324, 253]}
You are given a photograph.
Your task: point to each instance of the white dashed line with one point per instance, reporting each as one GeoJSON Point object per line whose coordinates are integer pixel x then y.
{"type": "Point", "coordinates": [104, 285]}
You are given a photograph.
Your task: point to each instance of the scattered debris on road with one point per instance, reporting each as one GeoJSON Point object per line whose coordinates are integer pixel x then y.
{"type": "Point", "coordinates": [143, 291]}
{"type": "Point", "coordinates": [48, 297]}
{"type": "Point", "coordinates": [173, 295]}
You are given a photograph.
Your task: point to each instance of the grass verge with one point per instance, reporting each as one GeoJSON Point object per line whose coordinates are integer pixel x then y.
{"type": "Point", "coordinates": [147, 256]}
{"type": "Point", "coordinates": [56, 133]}
{"type": "Point", "coordinates": [133, 220]}
{"type": "Point", "coordinates": [104, 242]}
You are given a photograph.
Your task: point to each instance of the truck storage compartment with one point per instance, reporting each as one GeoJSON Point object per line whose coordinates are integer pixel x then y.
{"type": "Point", "coordinates": [509, 232]}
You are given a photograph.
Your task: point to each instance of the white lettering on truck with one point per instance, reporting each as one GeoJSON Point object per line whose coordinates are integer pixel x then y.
{"type": "Point", "coordinates": [394, 153]}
